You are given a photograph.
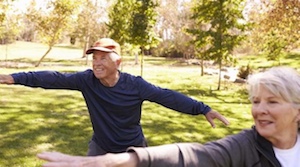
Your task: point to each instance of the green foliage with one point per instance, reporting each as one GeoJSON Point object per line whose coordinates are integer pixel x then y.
{"type": "Point", "coordinates": [120, 16]}
{"type": "Point", "coordinates": [9, 20]}
{"type": "Point", "coordinates": [89, 25]}
{"type": "Point", "coordinates": [277, 29]}
{"type": "Point", "coordinates": [133, 21]}
{"type": "Point", "coordinates": [218, 29]}
{"type": "Point", "coordinates": [52, 22]}
{"type": "Point", "coordinates": [143, 22]}
{"type": "Point", "coordinates": [244, 71]}
{"type": "Point", "coordinates": [274, 47]}
{"type": "Point", "coordinates": [2, 17]}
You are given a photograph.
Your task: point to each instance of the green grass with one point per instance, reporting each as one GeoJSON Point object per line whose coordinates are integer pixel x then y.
{"type": "Point", "coordinates": [33, 120]}
{"type": "Point", "coordinates": [260, 62]}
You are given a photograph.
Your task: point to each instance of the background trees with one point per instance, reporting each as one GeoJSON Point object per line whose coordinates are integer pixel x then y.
{"type": "Point", "coordinates": [205, 30]}
{"type": "Point", "coordinates": [51, 21]}
{"type": "Point", "coordinates": [141, 29]}
{"type": "Point", "coordinates": [120, 16]}
{"type": "Point", "coordinates": [90, 24]}
{"type": "Point", "coordinates": [133, 21]}
{"type": "Point", "coordinates": [9, 25]}
{"type": "Point", "coordinates": [174, 18]}
{"type": "Point", "coordinates": [219, 29]}
{"type": "Point", "coordinates": [277, 30]}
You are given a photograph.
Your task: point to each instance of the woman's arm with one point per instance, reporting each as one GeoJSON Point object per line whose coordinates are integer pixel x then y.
{"type": "Point", "coordinates": [56, 159]}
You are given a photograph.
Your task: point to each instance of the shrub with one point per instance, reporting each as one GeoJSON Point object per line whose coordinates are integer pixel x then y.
{"type": "Point", "coordinates": [244, 71]}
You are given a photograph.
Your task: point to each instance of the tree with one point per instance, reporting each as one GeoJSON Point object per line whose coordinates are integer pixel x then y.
{"type": "Point", "coordinates": [120, 16]}
{"type": "Point", "coordinates": [219, 28]}
{"type": "Point", "coordinates": [90, 24]}
{"type": "Point", "coordinates": [142, 27]}
{"type": "Point", "coordinates": [277, 28]}
{"type": "Point", "coordinates": [174, 18]}
{"type": "Point", "coordinates": [51, 21]}
{"type": "Point", "coordinates": [133, 22]}
{"type": "Point", "coordinates": [9, 29]}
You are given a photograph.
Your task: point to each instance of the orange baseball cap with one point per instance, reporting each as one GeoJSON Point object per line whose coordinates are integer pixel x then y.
{"type": "Point", "coordinates": [105, 45]}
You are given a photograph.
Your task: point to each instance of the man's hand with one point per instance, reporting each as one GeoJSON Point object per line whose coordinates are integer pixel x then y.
{"type": "Point", "coordinates": [211, 115]}
{"type": "Point", "coordinates": [6, 79]}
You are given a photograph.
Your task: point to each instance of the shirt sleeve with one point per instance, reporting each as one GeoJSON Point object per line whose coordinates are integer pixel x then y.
{"type": "Point", "coordinates": [48, 79]}
{"type": "Point", "coordinates": [232, 151]}
{"type": "Point", "coordinates": [171, 99]}
{"type": "Point", "coordinates": [164, 155]}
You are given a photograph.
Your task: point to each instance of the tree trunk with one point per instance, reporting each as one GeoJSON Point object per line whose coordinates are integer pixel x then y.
{"type": "Point", "coordinates": [136, 58]}
{"type": "Point", "coordinates": [220, 67]}
{"type": "Point", "coordinates": [142, 63]}
{"type": "Point", "coordinates": [50, 47]}
{"type": "Point", "coordinates": [202, 67]}
{"type": "Point", "coordinates": [85, 47]}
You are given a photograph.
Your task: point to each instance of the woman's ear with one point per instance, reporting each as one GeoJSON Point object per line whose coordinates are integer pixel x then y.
{"type": "Point", "coordinates": [298, 116]}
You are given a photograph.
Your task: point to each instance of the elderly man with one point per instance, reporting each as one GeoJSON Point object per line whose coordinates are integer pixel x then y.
{"type": "Point", "coordinates": [114, 98]}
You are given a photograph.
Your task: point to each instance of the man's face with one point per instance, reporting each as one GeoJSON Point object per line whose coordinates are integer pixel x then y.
{"type": "Point", "coordinates": [103, 66]}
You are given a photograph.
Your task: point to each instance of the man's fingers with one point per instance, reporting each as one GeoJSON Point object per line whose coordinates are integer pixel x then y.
{"type": "Point", "coordinates": [224, 120]}
{"type": "Point", "coordinates": [212, 123]}
{"type": "Point", "coordinates": [210, 116]}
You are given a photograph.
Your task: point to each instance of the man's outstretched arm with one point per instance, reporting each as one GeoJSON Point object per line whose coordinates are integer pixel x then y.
{"type": "Point", "coordinates": [6, 79]}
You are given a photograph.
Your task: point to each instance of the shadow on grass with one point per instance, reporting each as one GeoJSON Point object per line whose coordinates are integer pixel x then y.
{"type": "Point", "coordinates": [34, 120]}
{"type": "Point", "coordinates": [30, 128]}
{"type": "Point", "coordinates": [173, 127]}
{"type": "Point", "coordinates": [163, 126]}
{"type": "Point", "coordinates": [230, 97]}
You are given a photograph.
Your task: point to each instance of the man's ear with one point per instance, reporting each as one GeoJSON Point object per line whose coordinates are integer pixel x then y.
{"type": "Point", "coordinates": [118, 62]}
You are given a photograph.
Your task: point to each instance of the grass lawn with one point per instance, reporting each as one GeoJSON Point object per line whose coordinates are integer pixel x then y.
{"type": "Point", "coordinates": [33, 120]}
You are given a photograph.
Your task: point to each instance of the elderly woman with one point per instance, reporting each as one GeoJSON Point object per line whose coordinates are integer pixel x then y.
{"type": "Point", "coordinates": [274, 141]}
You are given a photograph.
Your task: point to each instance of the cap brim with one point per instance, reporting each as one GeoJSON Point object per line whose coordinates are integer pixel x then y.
{"type": "Point", "coordinates": [91, 50]}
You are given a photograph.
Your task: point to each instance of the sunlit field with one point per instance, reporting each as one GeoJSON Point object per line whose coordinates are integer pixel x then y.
{"type": "Point", "coordinates": [33, 120]}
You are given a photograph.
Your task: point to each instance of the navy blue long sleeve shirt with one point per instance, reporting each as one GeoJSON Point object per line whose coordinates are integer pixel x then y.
{"type": "Point", "coordinates": [115, 112]}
